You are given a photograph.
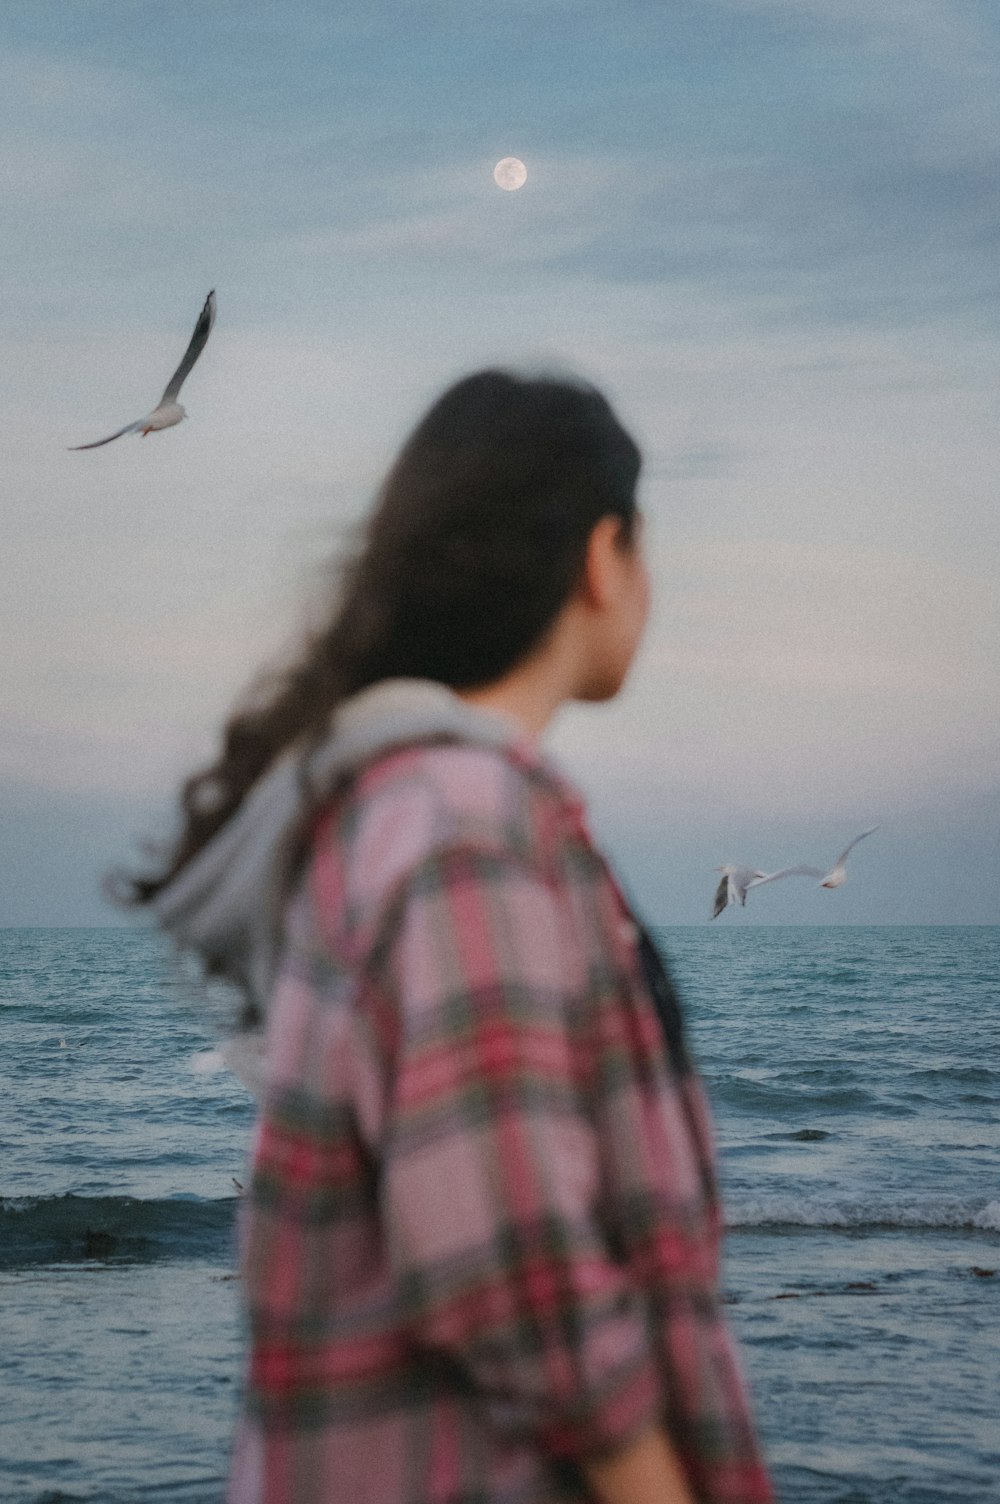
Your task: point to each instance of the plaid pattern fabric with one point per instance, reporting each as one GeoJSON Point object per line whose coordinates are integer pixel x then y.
{"type": "Point", "coordinates": [481, 1237]}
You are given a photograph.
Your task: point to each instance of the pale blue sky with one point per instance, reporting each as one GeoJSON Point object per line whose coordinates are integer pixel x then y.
{"type": "Point", "coordinates": [769, 228]}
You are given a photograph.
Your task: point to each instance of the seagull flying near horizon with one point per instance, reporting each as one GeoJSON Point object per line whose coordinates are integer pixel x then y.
{"type": "Point", "coordinates": [737, 881]}
{"type": "Point", "coordinates": [168, 410]}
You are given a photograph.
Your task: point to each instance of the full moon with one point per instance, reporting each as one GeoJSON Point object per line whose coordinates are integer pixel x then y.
{"type": "Point", "coordinates": [511, 173]}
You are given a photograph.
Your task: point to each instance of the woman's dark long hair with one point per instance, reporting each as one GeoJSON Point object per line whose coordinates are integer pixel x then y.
{"type": "Point", "coordinates": [475, 544]}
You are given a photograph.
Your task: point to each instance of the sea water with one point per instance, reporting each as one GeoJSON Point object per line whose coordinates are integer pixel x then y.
{"type": "Point", "coordinates": [855, 1077]}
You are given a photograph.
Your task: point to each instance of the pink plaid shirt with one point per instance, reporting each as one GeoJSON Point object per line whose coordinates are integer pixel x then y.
{"type": "Point", "coordinates": [481, 1239]}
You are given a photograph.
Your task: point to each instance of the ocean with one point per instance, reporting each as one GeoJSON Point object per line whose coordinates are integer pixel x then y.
{"type": "Point", "coordinates": [855, 1077]}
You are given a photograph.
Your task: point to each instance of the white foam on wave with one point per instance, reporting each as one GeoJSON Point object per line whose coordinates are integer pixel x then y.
{"type": "Point", "coordinates": [989, 1218]}
{"type": "Point", "coordinates": [846, 1212]}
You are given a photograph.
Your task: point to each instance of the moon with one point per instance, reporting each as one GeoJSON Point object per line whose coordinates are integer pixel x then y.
{"type": "Point", "coordinates": [510, 173]}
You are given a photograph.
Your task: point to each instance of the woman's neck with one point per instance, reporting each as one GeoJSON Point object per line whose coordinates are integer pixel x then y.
{"type": "Point", "coordinates": [532, 692]}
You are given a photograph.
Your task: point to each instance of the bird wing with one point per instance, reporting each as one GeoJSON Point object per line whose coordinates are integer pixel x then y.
{"type": "Point", "coordinates": [772, 877]}
{"type": "Point", "coordinates": [848, 849]}
{"type": "Point", "coordinates": [129, 428]}
{"type": "Point", "coordinates": [202, 330]}
{"type": "Point", "coordinates": [721, 896]}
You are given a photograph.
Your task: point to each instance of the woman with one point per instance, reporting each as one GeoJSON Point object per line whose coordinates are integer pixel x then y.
{"type": "Point", "coordinates": [480, 1240]}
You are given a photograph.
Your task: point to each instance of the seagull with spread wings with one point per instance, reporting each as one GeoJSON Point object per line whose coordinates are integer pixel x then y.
{"type": "Point", "coordinates": [168, 410]}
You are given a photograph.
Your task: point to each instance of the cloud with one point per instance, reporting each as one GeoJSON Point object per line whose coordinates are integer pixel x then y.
{"type": "Point", "coordinates": [779, 613]}
{"type": "Point", "coordinates": [874, 233]}
{"type": "Point", "coordinates": [53, 88]}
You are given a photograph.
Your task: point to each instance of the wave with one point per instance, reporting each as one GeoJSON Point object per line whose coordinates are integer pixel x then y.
{"type": "Point", "coordinates": [121, 1229]}
{"type": "Point", "coordinates": [63, 1229]}
{"type": "Point", "coordinates": [776, 1096]}
{"type": "Point", "coordinates": [945, 1214]}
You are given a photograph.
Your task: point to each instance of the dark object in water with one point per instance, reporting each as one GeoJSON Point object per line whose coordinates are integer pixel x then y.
{"type": "Point", "coordinates": [982, 1273]}
{"type": "Point", "coordinates": [809, 1135]}
{"type": "Point", "coordinates": [856, 1287]}
{"type": "Point", "coordinates": [97, 1245]}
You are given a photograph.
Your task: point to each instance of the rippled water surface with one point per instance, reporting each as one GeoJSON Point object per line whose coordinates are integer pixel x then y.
{"type": "Point", "coordinates": [855, 1075]}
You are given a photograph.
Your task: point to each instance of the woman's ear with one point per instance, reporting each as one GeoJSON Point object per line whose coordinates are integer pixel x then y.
{"type": "Point", "coordinates": [611, 607]}
{"type": "Point", "coordinates": [602, 576]}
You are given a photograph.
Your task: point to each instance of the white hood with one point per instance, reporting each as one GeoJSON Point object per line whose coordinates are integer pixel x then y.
{"type": "Point", "coordinates": [225, 904]}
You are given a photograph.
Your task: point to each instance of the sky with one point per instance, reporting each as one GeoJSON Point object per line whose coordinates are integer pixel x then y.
{"type": "Point", "coordinates": [768, 229]}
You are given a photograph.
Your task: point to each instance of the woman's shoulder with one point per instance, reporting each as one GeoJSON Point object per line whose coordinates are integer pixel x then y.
{"type": "Point", "coordinates": [416, 802]}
